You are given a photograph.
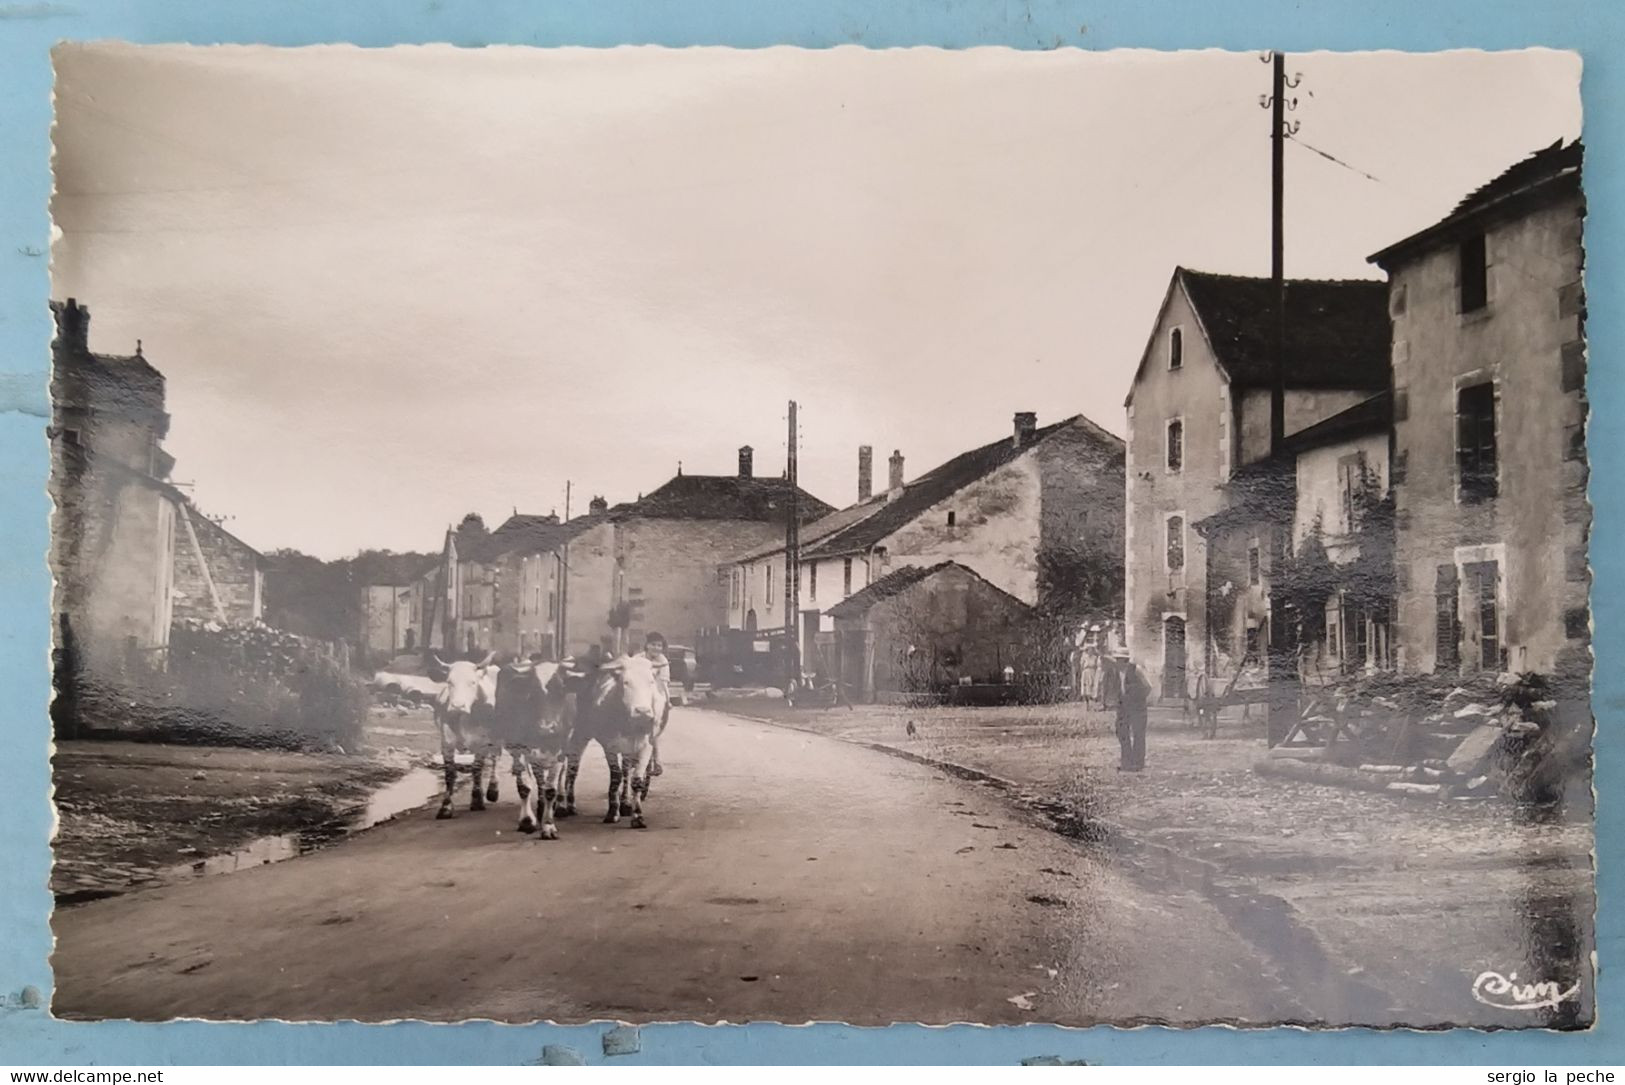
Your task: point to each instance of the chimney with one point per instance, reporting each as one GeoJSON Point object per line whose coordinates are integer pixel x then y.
{"type": "Point", "coordinates": [866, 472]}
{"type": "Point", "coordinates": [72, 325]}
{"type": "Point", "coordinates": [1026, 423]}
{"type": "Point", "coordinates": [745, 454]}
{"type": "Point", "coordinates": [597, 505]}
{"type": "Point", "coordinates": [895, 483]}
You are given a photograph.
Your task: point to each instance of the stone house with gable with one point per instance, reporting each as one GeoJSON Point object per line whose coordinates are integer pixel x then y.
{"type": "Point", "coordinates": [1198, 411]}
{"type": "Point", "coordinates": [1037, 514]}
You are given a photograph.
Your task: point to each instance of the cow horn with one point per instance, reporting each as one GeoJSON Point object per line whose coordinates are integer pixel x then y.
{"type": "Point", "coordinates": [523, 666]}
{"type": "Point", "coordinates": [440, 662]}
{"type": "Point", "coordinates": [486, 662]}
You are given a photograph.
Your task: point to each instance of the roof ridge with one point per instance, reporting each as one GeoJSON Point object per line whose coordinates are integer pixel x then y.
{"type": "Point", "coordinates": [1228, 276]}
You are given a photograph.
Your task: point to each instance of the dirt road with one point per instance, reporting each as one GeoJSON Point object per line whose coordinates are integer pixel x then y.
{"type": "Point", "coordinates": [784, 877]}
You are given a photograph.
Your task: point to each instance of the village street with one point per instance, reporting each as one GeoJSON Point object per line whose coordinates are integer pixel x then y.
{"type": "Point", "coordinates": [784, 877]}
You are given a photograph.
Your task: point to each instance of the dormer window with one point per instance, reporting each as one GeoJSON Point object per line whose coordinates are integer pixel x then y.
{"type": "Point", "coordinates": [950, 518]}
{"type": "Point", "coordinates": [1176, 348]}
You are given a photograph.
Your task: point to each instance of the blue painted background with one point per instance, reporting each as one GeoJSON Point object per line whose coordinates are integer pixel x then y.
{"type": "Point", "coordinates": [27, 31]}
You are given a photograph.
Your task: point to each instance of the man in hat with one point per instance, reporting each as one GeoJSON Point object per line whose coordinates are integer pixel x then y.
{"type": "Point", "coordinates": [1134, 692]}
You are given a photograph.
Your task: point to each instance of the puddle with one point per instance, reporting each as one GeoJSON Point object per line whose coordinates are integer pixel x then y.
{"type": "Point", "coordinates": [417, 787]}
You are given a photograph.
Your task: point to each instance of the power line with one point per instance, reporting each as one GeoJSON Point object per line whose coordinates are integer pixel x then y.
{"type": "Point", "coordinates": [1328, 156]}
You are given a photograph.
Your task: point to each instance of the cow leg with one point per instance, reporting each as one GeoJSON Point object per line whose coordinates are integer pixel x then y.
{"type": "Point", "coordinates": [638, 768]}
{"type": "Point", "coordinates": [626, 786]}
{"type": "Point", "coordinates": [614, 763]}
{"type": "Point", "coordinates": [491, 792]}
{"type": "Point", "coordinates": [522, 777]}
{"type": "Point", "coordinates": [572, 766]}
{"type": "Point", "coordinates": [477, 802]}
{"type": "Point", "coordinates": [448, 757]}
{"type": "Point", "coordinates": [548, 786]}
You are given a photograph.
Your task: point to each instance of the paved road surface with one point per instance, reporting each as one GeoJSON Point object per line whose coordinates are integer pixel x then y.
{"type": "Point", "coordinates": [784, 877]}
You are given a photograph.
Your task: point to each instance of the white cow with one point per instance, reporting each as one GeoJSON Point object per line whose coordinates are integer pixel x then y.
{"type": "Point", "coordinates": [463, 711]}
{"type": "Point", "coordinates": [623, 709]}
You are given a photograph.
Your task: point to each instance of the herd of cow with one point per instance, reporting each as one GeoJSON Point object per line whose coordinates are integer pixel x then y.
{"type": "Point", "coordinates": [544, 714]}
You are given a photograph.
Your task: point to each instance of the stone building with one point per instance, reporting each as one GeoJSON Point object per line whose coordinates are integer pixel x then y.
{"type": "Point", "coordinates": [1198, 410]}
{"type": "Point", "coordinates": [1489, 366]}
{"type": "Point", "coordinates": [1039, 514]}
{"type": "Point", "coordinates": [114, 522]}
{"type": "Point", "coordinates": [643, 566]}
{"type": "Point", "coordinates": [389, 619]}
{"type": "Point", "coordinates": [218, 577]}
{"type": "Point", "coordinates": [1340, 467]}
{"type": "Point", "coordinates": [674, 547]}
{"type": "Point", "coordinates": [926, 629]}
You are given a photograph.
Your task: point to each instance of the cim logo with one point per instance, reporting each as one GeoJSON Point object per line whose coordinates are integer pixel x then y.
{"type": "Point", "coordinates": [1506, 993]}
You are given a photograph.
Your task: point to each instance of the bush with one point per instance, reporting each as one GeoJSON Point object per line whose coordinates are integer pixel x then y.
{"type": "Point", "coordinates": [245, 686]}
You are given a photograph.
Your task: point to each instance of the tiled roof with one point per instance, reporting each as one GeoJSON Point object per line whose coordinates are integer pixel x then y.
{"type": "Point", "coordinates": [1337, 330]}
{"type": "Point", "coordinates": [823, 528]}
{"type": "Point", "coordinates": [721, 497]}
{"type": "Point", "coordinates": [1372, 415]}
{"type": "Point", "coordinates": [898, 581]}
{"type": "Point", "coordinates": [937, 485]}
{"type": "Point", "coordinates": [1558, 162]}
{"type": "Point", "coordinates": [532, 534]}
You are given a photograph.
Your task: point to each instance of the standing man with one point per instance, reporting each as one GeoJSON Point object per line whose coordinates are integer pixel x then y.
{"type": "Point", "coordinates": [654, 648]}
{"type": "Point", "coordinates": [1131, 711]}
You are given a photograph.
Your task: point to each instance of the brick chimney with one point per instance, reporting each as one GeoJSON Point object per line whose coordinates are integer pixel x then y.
{"type": "Point", "coordinates": [597, 504]}
{"type": "Point", "coordinates": [895, 481]}
{"type": "Point", "coordinates": [1026, 423]}
{"type": "Point", "coordinates": [866, 472]}
{"type": "Point", "coordinates": [72, 325]}
{"type": "Point", "coordinates": [745, 456]}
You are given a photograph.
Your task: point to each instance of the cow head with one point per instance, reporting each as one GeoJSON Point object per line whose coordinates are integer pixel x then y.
{"type": "Point", "coordinates": [469, 686]}
{"type": "Point", "coordinates": [634, 688]}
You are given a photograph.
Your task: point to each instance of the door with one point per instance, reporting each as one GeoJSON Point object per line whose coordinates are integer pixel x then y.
{"type": "Point", "coordinates": [809, 640]}
{"type": "Point", "coordinates": [1173, 658]}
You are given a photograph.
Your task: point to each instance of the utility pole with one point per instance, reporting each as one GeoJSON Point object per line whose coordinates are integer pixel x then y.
{"type": "Point", "coordinates": [792, 559]}
{"type": "Point", "coordinates": [561, 647]}
{"type": "Point", "coordinates": [1281, 479]}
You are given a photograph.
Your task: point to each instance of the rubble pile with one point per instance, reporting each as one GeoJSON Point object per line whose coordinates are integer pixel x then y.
{"type": "Point", "coordinates": [1432, 737]}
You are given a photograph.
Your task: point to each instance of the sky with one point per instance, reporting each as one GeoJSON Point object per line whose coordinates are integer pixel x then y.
{"type": "Point", "coordinates": [389, 287]}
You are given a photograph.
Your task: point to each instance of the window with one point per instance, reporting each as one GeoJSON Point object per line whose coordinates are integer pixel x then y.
{"type": "Point", "coordinates": [1254, 573]}
{"type": "Point", "coordinates": [1474, 276]}
{"type": "Point", "coordinates": [552, 604]}
{"type": "Point", "coordinates": [1446, 624]}
{"type": "Point", "coordinates": [950, 518]}
{"type": "Point", "coordinates": [1475, 442]}
{"type": "Point", "coordinates": [1482, 577]}
{"type": "Point", "coordinates": [846, 577]}
{"type": "Point", "coordinates": [1176, 544]}
{"type": "Point", "coordinates": [770, 587]}
{"type": "Point", "coordinates": [1176, 445]}
{"type": "Point", "coordinates": [812, 581]}
{"type": "Point", "coordinates": [1176, 349]}
{"type": "Point", "coordinates": [1350, 479]}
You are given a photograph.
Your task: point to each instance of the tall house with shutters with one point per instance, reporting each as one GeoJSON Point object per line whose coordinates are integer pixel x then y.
{"type": "Point", "coordinates": [1489, 408]}
{"type": "Point", "coordinates": [1199, 413]}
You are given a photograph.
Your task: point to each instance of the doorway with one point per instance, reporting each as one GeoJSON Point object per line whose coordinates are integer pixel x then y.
{"type": "Point", "coordinates": [1173, 658]}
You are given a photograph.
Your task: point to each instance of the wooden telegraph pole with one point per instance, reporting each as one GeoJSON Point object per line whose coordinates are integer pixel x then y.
{"type": "Point", "coordinates": [1282, 478]}
{"type": "Point", "coordinates": [792, 560]}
